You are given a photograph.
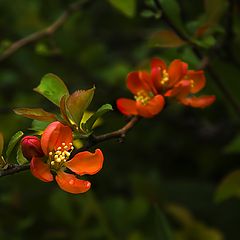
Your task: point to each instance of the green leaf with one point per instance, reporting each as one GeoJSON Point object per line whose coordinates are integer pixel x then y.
{"type": "Point", "coordinates": [13, 141]}
{"type": "Point", "coordinates": [78, 102]}
{"type": "Point", "coordinates": [172, 10]}
{"type": "Point", "coordinates": [147, 13]}
{"type": "Point", "coordinates": [162, 226]}
{"type": "Point", "coordinates": [87, 126]}
{"type": "Point", "coordinates": [39, 126]}
{"type": "Point", "coordinates": [20, 158]}
{"type": "Point", "coordinates": [166, 39]}
{"type": "Point", "coordinates": [229, 187]}
{"type": "Point", "coordinates": [35, 113]}
{"type": "Point", "coordinates": [126, 7]}
{"type": "Point", "coordinates": [1, 143]}
{"type": "Point", "coordinates": [52, 87]}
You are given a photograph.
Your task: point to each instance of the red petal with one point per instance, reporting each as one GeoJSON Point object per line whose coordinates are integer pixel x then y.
{"type": "Point", "coordinates": [180, 90]}
{"type": "Point", "coordinates": [86, 162]}
{"type": "Point", "coordinates": [40, 170]}
{"type": "Point", "coordinates": [177, 70]}
{"type": "Point", "coordinates": [137, 81]}
{"type": "Point", "coordinates": [157, 66]}
{"type": "Point", "coordinates": [54, 135]}
{"type": "Point", "coordinates": [158, 63]}
{"type": "Point", "coordinates": [198, 102]}
{"type": "Point", "coordinates": [127, 106]}
{"type": "Point", "coordinates": [69, 183]}
{"type": "Point", "coordinates": [153, 107]}
{"type": "Point", "coordinates": [198, 78]}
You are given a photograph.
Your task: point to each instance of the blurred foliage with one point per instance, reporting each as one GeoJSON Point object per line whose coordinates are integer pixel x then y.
{"type": "Point", "coordinates": [178, 157]}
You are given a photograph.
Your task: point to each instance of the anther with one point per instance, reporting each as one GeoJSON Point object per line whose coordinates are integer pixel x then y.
{"type": "Point", "coordinates": [67, 153]}
{"type": "Point", "coordinates": [52, 162]}
{"type": "Point", "coordinates": [50, 153]}
{"type": "Point", "coordinates": [59, 148]}
{"type": "Point", "coordinates": [58, 160]}
{"type": "Point", "coordinates": [63, 144]}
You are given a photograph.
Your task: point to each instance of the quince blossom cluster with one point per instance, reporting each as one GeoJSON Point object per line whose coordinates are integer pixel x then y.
{"type": "Point", "coordinates": [151, 89]}
{"type": "Point", "coordinates": [52, 155]}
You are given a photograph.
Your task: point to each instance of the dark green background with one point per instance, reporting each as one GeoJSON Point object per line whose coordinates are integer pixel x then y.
{"type": "Point", "coordinates": [175, 159]}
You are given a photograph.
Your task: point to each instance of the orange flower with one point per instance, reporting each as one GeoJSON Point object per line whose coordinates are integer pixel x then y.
{"type": "Point", "coordinates": [147, 101]}
{"type": "Point", "coordinates": [179, 82]}
{"type": "Point", "coordinates": [56, 143]}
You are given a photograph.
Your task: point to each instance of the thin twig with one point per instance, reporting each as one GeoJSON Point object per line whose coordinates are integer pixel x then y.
{"type": "Point", "coordinates": [94, 140]}
{"type": "Point", "coordinates": [14, 168]}
{"type": "Point", "coordinates": [118, 134]}
{"type": "Point", "coordinates": [48, 31]}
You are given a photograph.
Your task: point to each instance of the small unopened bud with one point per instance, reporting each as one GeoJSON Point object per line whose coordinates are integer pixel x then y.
{"type": "Point", "coordinates": [31, 147]}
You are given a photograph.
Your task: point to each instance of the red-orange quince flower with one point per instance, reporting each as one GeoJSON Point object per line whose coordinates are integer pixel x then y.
{"type": "Point", "coordinates": [179, 82]}
{"type": "Point", "coordinates": [56, 143]}
{"type": "Point", "coordinates": [147, 102]}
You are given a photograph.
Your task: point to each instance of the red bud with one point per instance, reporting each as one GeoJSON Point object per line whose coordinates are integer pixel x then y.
{"type": "Point", "coordinates": [31, 147]}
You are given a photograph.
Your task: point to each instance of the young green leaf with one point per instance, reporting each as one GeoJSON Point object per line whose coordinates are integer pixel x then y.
{"type": "Point", "coordinates": [35, 113]}
{"type": "Point", "coordinates": [166, 39]}
{"type": "Point", "coordinates": [87, 126]}
{"type": "Point", "coordinates": [78, 102]}
{"type": "Point", "coordinates": [229, 187]}
{"type": "Point", "coordinates": [52, 87]}
{"type": "Point", "coordinates": [126, 7]}
{"type": "Point", "coordinates": [39, 126]}
{"type": "Point", "coordinates": [1, 143]}
{"type": "Point", "coordinates": [20, 158]}
{"type": "Point", "coordinates": [13, 141]}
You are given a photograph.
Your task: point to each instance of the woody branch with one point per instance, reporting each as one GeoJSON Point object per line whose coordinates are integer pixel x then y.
{"type": "Point", "coordinates": [93, 141]}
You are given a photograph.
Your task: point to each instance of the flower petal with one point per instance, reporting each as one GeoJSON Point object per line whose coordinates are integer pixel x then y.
{"type": "Point", "coordinates": [86, 162]}
{"type": "Point", "coordinates": [127, 106]}
{"type": "Point", "coordinates": [157, 67]}
{"type": "Point", "coordinates": [176, 71]}
{"type": "Point", "coordinates": [153, 107]}
{"type": "Point", "coordinates": [54, 135]}
{"type": "Point", "coordinates": [70, 183]}
{"type": "Point", "coordinates": [198, 102]}
{"type": "Point", "coordinates": [180, 90]}
{"type": "Point", "coordinates": [198, 79]}
{"type": "Point", "coordinates": [138, 81]}
{"type": "Point", "coordinates": [40, 170]}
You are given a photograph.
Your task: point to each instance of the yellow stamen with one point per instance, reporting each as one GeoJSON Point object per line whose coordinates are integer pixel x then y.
{"type": "Point", "coordinates": [192, 83]}
{"type": "Point", "coordinates": [143, 97]}
{"type": "Point", "coordinates": [165, 77]}
{"type": "Point", "coordinates": [56, 159]}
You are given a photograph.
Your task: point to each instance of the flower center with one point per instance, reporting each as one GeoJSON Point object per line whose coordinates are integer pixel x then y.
{"type": "Point", "coordinates": [143, 97]}
{"type": "Point", "coordinates": [165, 77]}
{"type": "Point", "coordinates": [59, 157]}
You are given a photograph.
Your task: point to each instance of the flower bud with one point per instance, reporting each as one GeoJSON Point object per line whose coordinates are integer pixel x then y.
{"type": "Point", "coordinates": [31, 147]}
